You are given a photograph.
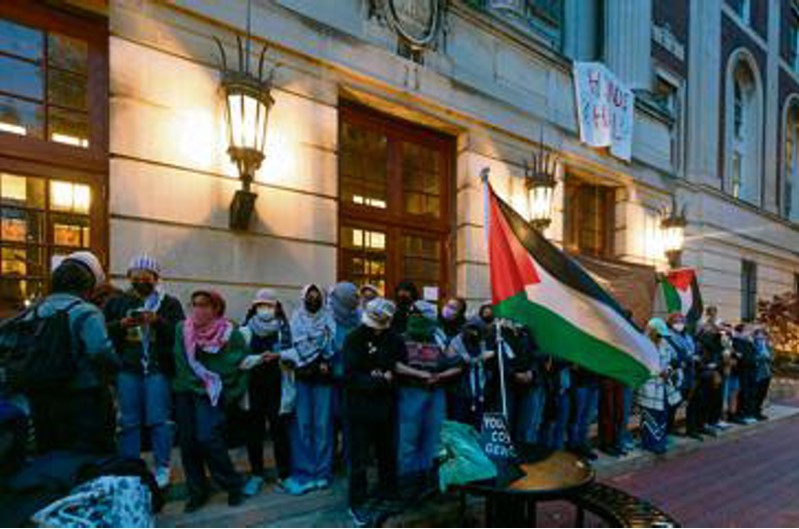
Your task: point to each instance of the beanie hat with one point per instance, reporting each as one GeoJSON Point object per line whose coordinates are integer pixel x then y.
{"type": "Point", "coordinates": [378, 313]}
{"type": "Point", "coordinates": [265, 295]}
{"type": "Point", "coordinates": [659, 326]}
{"type": "Point", "coordinates": [91, 262]}
{"type": "Point", "coordinates": [144, 262]}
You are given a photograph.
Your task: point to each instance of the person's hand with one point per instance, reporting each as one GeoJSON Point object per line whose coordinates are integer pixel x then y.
{"type": "Point", "coordinates": [250, 361]}
{"type": "Point", "coordinates": [128, 322]}
{"type": "Point", "coordinates": [388, 376]}
{"type": "Point", "coordinates": [149, 318]}
{"type": "Point", "coordinates": [487, 355]}
{"type": "Point", "coordinates": [524, 378]}
{"type": "Point", "coordinates": [269, 356]}
{"type": "Point", "coordinates": [432, 379]}
{"type": "Point", "coordinates": [376, 373]}
{"type": "Point", "coordinates": [324, 368]}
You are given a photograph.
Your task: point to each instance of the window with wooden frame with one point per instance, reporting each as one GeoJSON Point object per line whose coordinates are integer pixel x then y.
{"type": "Point", "coordinates": [748, 290]}
{"type": "Point", "coordinates": [589, 219]}
{"type": "Point", "coordinates": [53, 144]}
{"type": "Point", "coordinates": [395, 206]}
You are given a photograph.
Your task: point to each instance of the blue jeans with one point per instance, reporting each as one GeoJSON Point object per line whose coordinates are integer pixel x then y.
{"type": "Point", "coordinates": [421, 412]}
{"type": "Point", "coordinates": [553, 432]}
{"type": "Point", "coordinates": [624, 434]}
{"type": "Point", "coordinates": [584, 402]}
{"type": "Point", "coordinates": [145, 401]}
{"type": "Point", "coordinates": [529, 413]}
{"type": "Point", "coordinates": [311, 433]}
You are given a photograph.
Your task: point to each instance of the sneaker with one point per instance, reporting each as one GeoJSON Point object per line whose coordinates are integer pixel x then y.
{"type": "Point", "coordinates": [321, 484]}
{"type": "Point", "coordinates": [360, 518]}
{"type": "Point", "coordinates": [761, 417]}
{"type": "Point", "coordinates": [162, 477]}
{"type": "Point", "coordinates": [253, 486]}
{"type": "Point", "coordinates": [722, 425]}
{"type": "Point", "coordinates": [295, 488]}
{"type": "Point", "coordinates": [749, 420]}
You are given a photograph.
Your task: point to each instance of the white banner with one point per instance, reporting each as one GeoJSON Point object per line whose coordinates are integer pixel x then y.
{"type": "Point", "coordinates": [605, 109]}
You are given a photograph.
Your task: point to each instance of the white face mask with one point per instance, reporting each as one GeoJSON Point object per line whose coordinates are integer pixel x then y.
{"type": "Point", "coordinates": [679, 327]}
{"type": "Point", "coordinates": [266, 312]}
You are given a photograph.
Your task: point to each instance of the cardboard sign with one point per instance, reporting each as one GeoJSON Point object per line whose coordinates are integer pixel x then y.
{"type": "Point", "coordinates": [496, 439]}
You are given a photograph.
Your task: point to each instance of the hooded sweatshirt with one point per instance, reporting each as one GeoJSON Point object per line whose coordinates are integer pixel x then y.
{"type": "Point", "coordinates": [312, 335]}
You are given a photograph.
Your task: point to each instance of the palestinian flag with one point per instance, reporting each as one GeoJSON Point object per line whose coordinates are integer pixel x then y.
{"type": "Point", "coordinates": [681, 294]}
{"type": "Point", "coordinates": [571, 316]}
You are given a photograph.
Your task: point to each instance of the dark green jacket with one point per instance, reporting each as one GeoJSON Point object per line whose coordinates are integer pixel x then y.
{"type": "Point", "coordinates": [127, 342]}
{"type": "Point", "coordinates": [225, 363]}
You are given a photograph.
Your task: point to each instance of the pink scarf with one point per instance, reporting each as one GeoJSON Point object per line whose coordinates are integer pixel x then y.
{"type": "Point", "coordinates": [210, 338]}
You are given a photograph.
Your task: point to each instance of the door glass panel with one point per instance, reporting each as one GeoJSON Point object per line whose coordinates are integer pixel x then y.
{"type": "Point", "coordinates": [71, 128]}
{"type": "Point", "coordinates": [421, 259]}
{"type": "Point", "coordinates": [21, 191]}
{"type": "Point", "coordinates": [21, 262]}
{"type": "Point", "coordinates": [363, 166]}
{"type": "Point", "coordinates": [66, 89]}
{"type": "Point", "coordinates": [67, 53]}
{"type": "Point", "coordinates": [421, 179]}
{"type": "Point", "coordinates": [364, 252]}
{"type": "Point", "coordinates": [21, 78]}
{"type": "Point", "coordinates": [72, 232]}
{"type": "Point", "coordinates": [19, 225]}
{"type": "Point", "coordinates": [69, 197]}
{"type": "Point", "coordinates": [19, 40]}
{"type": "Point", "coordinates": [21, 117]}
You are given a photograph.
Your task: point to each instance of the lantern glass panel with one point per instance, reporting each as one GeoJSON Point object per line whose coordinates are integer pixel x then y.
{"type": "Point", "coordinates": [247, 121]}
{"type": "Point", "coordinates": [673, 238]}
{"type": "Point", "coordinates": [540, 202]}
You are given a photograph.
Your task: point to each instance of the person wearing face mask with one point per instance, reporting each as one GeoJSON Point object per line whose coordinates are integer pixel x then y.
{"type": "Point", "coordinates": [472, 397]}
{"type": "Point", "coordinates": [366, 294]}
{"type": "Point", "coordinates": [210, 378]}
{"type": "Point", "coordinates": [405, 295]}
{"type": "Point", "coordinates": [141, 323]}
{"type": "Point", "coordinates": [313, 331]}
{"type": "Point", "coordinates": [422, 370]}
{"type": "Point", "coordinates": [658, 394]}
{"type": "Point", "coordinates": [453, 317]}
{"type": "Point", "coordinates": [762, 371]}
{"type": "Point", "coordinates": [266, 330]}
{"type": "Point", "coordinates": [688, 359]}
{"type": "Point", "coordinates": [744, 345]}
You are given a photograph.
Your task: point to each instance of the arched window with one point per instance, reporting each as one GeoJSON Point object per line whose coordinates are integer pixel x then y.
{"type": "Point", "coordinates": [790, 179]}
{"type": "Point", "coordinates": [743, 168]}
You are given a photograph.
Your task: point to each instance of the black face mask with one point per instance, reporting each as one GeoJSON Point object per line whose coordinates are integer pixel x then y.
{"type": "Point", "coordinates": [143, 289]}
{"type": "Point", "coordinates": [488, 319]}
{"type": "Point", "coordinates": [313, 305]}
{"type": "Point", "coordinates": [404, 301]}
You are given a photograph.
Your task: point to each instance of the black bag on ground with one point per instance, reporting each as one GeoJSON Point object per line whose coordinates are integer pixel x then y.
{"type": "Point", "coordinates": [36, 351]}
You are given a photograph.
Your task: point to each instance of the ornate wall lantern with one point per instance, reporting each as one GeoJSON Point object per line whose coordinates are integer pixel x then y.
{"type": "Point", "coordinates": [672, 227]}
{"type": "Point", "coordinates": [540, 181]}
{"type": "Point", "coordinates": [248, 101]}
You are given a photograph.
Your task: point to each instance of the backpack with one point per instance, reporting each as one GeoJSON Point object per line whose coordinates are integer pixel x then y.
{"type": "Point", "coordinates": [36, 352]}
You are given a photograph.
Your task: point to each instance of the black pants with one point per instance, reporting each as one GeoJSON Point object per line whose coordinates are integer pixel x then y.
{"type": "Point", "coordinates": [202, 443]}
{"type": "Point", "coordinates": [365, 435]}
{"type": "Point", "coordinates": [696, 412]}
{"type": "Point", "coordinates": [714, 397]}
{"type": "Point", "coordinates": [265, 406]}
{"type": "Point", "coordinates": [747, 397]}
{"type": "Point", "coordinates": [761, 391]}
{"type": "Point", "coordinates": [79, 421]}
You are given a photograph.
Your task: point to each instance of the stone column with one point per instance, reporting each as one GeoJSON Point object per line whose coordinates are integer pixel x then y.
{"type": "Point", "coordinates": [704, 92]}
{"type": "Point", "coordinates": [580, 38]}
{"type": "Point", "coordinates": [628, 41]}
{"type": "Point", "coordinates": [773, 115]}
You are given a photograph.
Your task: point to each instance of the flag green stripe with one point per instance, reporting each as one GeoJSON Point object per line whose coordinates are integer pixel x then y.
{"type": "Point", "coordinates": [673, 301]}
{"type": "Point", "coordinates": [557, 336]}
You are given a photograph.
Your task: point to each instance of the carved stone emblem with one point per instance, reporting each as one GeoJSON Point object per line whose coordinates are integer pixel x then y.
{"type": "Point", "coordinates": [416, 21]}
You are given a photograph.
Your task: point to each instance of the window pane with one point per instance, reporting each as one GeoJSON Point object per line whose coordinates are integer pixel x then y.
{"type": "Point", "coordinates": [19, 225]}
{"type": "Point", "coordinates": [69, 197]}
{"type": "Point", "coordinates": [21, 191]}
{"type": "Point", "coordinates": [421, 179]}
{"type": "Point", "coordinates": [21, 117]}
{"type": "Point", "coordinates": [363, 166]}
{"type": "Point", "coordinates": [67, 53]}
{"type": "Point", "coordinates": [21, 78]}
{"type": "Point", "coordinates": [71, 232]}
{"type": "Point", "coordinates": [364, 256]}
{"type": "Point", "coordinates": [22, 262]}
{"type": "Point", "coordinates": [71, 128]}
{"type": "Point", "coordinates": [20, 40]}
{"type": "Point", "coordinates": [66, 89]}
{"type": "Point", "coordinates": [421, 257]}
{"type": "Point", "coordinates": [17, 294]}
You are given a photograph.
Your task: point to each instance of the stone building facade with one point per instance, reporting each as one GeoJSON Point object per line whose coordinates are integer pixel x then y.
{"type": "Point", "coordinates": [375, 143]}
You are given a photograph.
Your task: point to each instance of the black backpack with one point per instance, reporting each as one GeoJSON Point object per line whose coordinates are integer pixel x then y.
{"type": "Point", "coordinates": [36, 352]}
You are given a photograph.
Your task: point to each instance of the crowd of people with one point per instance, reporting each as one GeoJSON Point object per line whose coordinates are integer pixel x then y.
{"type": "Point", "coordinates": [348, 377]}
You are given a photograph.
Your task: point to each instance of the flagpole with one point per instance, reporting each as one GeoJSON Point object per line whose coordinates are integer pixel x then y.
{"type": "Point", "coordinates": [501, 360]}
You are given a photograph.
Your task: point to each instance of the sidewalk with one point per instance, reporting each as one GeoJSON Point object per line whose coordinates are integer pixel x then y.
{"type": "Point", "coordinates": [327, 508]}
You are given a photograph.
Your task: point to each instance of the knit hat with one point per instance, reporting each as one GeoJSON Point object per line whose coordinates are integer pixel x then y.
{"type": "Point", "coordinates": [91, 262]}
{"type": "Point", "coordinates": [265, 295]}
{"type": "Point", "coordinates": [369, 288]}
{"type": "Point", "coordinates": [144, 262]}
{"type": "Point", "coordinates": [659, 326]}
{"type": "Point", "coordinates": [426, 309]}
{"type": "Point", "coordinates": [378, 313]}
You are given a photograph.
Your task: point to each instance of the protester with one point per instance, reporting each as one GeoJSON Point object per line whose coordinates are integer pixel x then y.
{"type": "Point", "coordinates": [474, 391]}
{"type": "Point", "coordinates": [658, 394]}
{"type": "Point", "coordinates": [266, 331]}
{"type": "Point", "coordinates": [366, 294]}
{"type": "Point", "coordinates": [371, 353]}
{"type": "Point", "coordinates": [423, 369]}
{"type": "Point", "coordinates": [683, 344]}
{"type": "Point", "coordinates": [528, 394]}
{"type": "Point", "coordinates": [71, 409]}
{"type": "Point", "coordinates": [584, 397]}
{"type": "Point", "coordinates": [615, 403]}
{"type": "Point", "coordinates": [730, 382]}
{"type": "Point", "coordinates": [311, 432]}
{"type": "Point", "coordinates": [557, 380]}
{"type": "Point", "coordinates": [209, 354]}
{"type": "Point", "coordinates": [763, 371]}
{"type": "Point", "coordinates": [453, 317]}
{"type": "Point", "coordinates": [744, 345]}
{"type": "Point", "coordinates": [711, 343]}
{"type": "Point", "coordinates": [405, 295]}
{"type": "Point", "coordinates": [141, 322]}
